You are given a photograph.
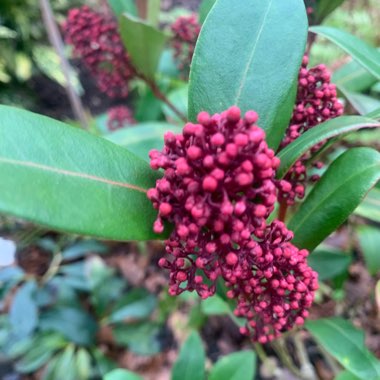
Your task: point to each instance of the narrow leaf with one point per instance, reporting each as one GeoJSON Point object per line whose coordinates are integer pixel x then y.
{"type": "Point", "coordinates": [122, 374]}
{"type": "Point", "coordinates": [369, 240]}
{"type": "Point", "coordinates": [321, 132]}
{"type": "Point", "coordinates": [63, 177]}
{"type": "Point", "coordinates": [364, 54]}
{"type": "Point", "coordinates": [370, 207]}
{"type": "Point", "coordinates": [190, 364]}
{"type": "Point", "coordinates": [335, 196]}
{"type": "Point", "coordinates": [233, 65]}
{"type": "Point", "coordinates": [346, 344]}
{"type": "Point", "coordinates": [142, 138]}
{"type": "Point", "coordinates": [236, 366]}
{"type": "Point", "coordinates": [144, 44]}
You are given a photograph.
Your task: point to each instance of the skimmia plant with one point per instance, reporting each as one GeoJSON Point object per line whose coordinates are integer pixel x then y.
{"type": "Point", "coordinates": [230, 190]}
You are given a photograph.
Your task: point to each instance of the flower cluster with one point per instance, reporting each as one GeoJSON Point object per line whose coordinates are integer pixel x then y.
{"type": "Point", "coordinates": [186, 30]}
{"type": "Point", "coordinates": [96, 41]}
{"type": "Point", "coordinates": [218, 189]}
{"type": "Point", "coordinates": [316, 103]}
{"type": "Point", "coordinates": [119, 117]}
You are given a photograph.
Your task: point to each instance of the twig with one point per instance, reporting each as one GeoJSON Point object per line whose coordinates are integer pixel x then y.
{"type": "Point", "coordinates": [142, 8]}
{"type": "Point", "coordinates": [57, 43]}
{"type": "Point", "coordinates": [306, 367]}
{"type": "Point", "coordinates": [282, 211]}
{"type": "Point", "coordinates": [260, 352]}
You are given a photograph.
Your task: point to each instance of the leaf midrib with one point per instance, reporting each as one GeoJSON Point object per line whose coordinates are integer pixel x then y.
{"type": "Point", "coordinates": [348, 179]}
{"type": "Point", "coordinates": [69, 173]}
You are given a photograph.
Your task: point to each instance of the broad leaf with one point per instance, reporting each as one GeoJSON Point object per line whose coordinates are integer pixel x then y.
{"type": "Point", "coordinates": [364, 54]}
{"type": "Point", "coordinates": [329, 264]}
{"type": "Point", "coordinates": [121, 6]}
{"type": "Point", "coordinates": [190, 364]}
{"type": "Point", "coordinates": [142, 138]}
{"type": "Point", "coordinates": [237, 366]}
{"type": "Point", "coordinates": [65, 178]}
{"type": "Point", "coordinates": [321, 132]}
{"type": "Point", "coordinates": [374, 114]}
{"type": "Point", "coordinates": [346, 375]}
{"type": "Point", "coordinates": [346, 344]}
{"type": "Point", "coordinates": [240, 69]}
{"type": "Point", "coordinates": [204, 9]}
{"type": "Point", "coordinates": [369, 240]}
{"type": "Point", "coordinates": [178, 97]}
{"type": "Point", "coordinates": [335, 196]}
{"type": "Point", "coordinates": [325, 7]}
{"type": "Point", "coordinates": [144, 44]}
{"type": "Point", "coordinates": [370, 207]}
{"type": "Point", "coordinates": [122, 374]}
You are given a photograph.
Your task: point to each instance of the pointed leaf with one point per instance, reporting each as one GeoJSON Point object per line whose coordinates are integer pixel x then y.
{"type": "Point", "coordinates": [72, 181]}
{"type": "Point", "coordinates": [364, 54]}
{"type": "Point", "coordinates": [236, 366]}
{"type": "Point", "coordinates": [346, 344]}
{"type": "Point", "coordinates": [190, 364]}
{"type": "Point", "coordinates": [144, 44]}
{"type": "Point", "coordinates": [233, 64]}
{"type": "Point", "coordinates": [335, 196]}
{"type": "Point", "coordinates": [321, 132]}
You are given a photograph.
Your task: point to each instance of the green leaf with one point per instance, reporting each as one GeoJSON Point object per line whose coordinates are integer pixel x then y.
{"type": "Point", "coordinates": [123, 6]}
{"type": "Point", "coordinates": [321, 132]}
{"type": "Point", "coordinates": [325, 7]}
{"type": "Point", "coordinates": [72, 181]}
{"type": "Point", "coordinates": [65, 367]}
{"type": "Point", "coordinates": [137, 304]}
{"type": "Point", "coordinates": [215, 305]}
{"type": "Point", "coordinates": [361, 52]}
{"type": "Point", "coordinates": [75, 324]}
{"type": "Point", "coordinates": [204, 9]}
{"type": "Point", "coordinates": [370, 207]}
{"type": "Point", "coordinates": [122, 374]}
{"type": "Point", "coordinates": [83, 364]}
{"type": "Point", "coordinates": [369, 240]}
{"type": "Point", "coordinates": [142, 138]}
{"type": "Point", "coordinates": [23, 313]}
{"type": "Point", "coordinates": [237, 366]}
{"type": "Point", "coordinates": [335, 196]}
{"type": "Point", "coordinates": [346, 375]}
{"type": "Point", "coordinates": [190, 364]}
{"type": "Point", "coordinates": [346, 344]}
{"type": "Point", "coordinates": [353, 77]}
{"type": "Point", "coordinates": [83, 248]}
{"type": "Point", "coordinates": [144, 44]}
{"type": "Point", "coordinates": [364, 104]}
{"type": "Point", "coordinates": [329, 264]}
{"type": "Point", "coordinates": [154, 12]}
{"type": "Point", "coordinates": [233, 64]}
{"type": "Point", "coordinates": [179, 98]}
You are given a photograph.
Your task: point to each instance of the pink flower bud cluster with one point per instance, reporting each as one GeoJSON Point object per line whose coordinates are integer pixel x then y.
{"type": "Point", "coordinates": [218, 189]}
{"type": "Point", "coordinates": [186, 30]}
{"type": "Point", "coordinates": [96, 41]}
{"type": "Point", "coordinates": [316, 103]}
{"type": "Point", "coordinates": [119, 117]}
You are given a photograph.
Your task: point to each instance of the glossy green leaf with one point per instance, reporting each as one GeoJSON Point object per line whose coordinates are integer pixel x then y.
{"type": "Point", "coordinates": [204, 9]}
{"type": "Point", "coordinates": [321, 132]}
{"type": "Point", "coordinates": [144, 44]}
{"type": "Point", "coordinates": [346, 375]}
{"type": "Point", "coordinates": [353, 77]}
{"type": "Point", "coordinates": [142, 138]}
{"type": "Point", "coordinates": [325, 7]}
{"type": "Point", "coordinates": [346, 344]}
{"type": "Point", "coordinates": [340, 190]}
{"type": "Point", "coordinates": [23, 313]}
{"type": "Point", "coordinates": [122, 374]}
{"type": "Point", "coordinates": [72, 181]}
{"type": "Point", "coordinates": [190, 364]}
{"type": "Point", "coordinates": [233, 64]}
{"type": "Point", "coordinates": [122, 6]}
{"type": "Point", "coordinates": [237, 366]}
{"type": "Point", "coordinates": [361, 52]}
{"type": "Point", "coordinates": [215, 305]}
{"type": "Point", "coordinates": [375, 114]}
{"type": "Point", "coordinates": [370, 207]}
{"type": "Point", "coordinates": [364, 104]}
{"type": "Point", "coordinates": [369, 241]}
{"type": "Point", "coordinates": [329, 264]}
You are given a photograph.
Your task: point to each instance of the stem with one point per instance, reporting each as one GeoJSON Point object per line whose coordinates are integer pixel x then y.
{"type": "Point", "coordinates": [161, 96]}
{"type": "Point", "coordinates": [142, 8]}
{"type": "Point", "coordinates": [57, 43]}
{"type": "Point", "coordinates": [306, 367]}
{"type": "Point", "coordinates": [260, 352]}
{"type": "Point", "coordinates": [282, 211]}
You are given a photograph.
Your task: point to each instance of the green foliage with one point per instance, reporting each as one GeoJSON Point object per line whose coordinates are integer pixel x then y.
{"type": "Point", "coordinates": [369, 241]}
{"type": "Point", "coordinates": [239, 69]}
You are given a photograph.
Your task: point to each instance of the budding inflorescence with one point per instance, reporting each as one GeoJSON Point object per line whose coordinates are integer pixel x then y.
{"type": "Point", "coordinates": [185, 30]}
{"type": "Point", "coordinates": [316, 103]}
{"type": "Point", "coordinates": [96, 41]}
{"type": "Point", "coordinates": [218, 189]}
{"type": "Point", "coordinates": [119, 117]}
